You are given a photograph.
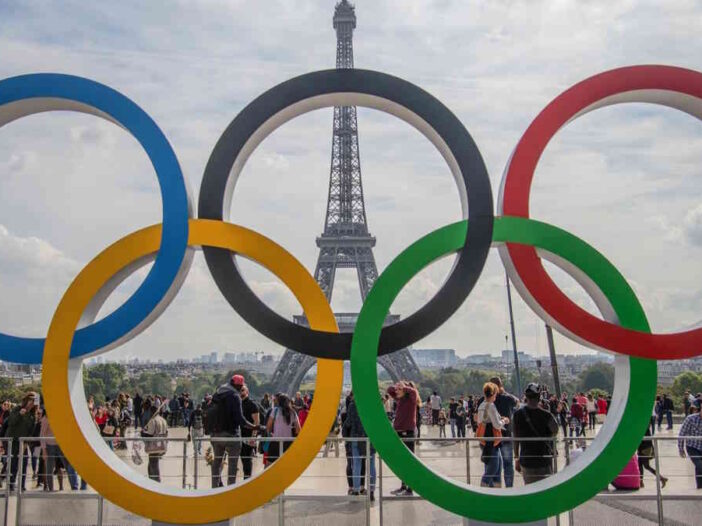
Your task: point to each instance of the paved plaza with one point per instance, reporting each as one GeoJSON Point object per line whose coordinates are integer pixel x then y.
{"type": "Point", "coordinates": [322, 492]}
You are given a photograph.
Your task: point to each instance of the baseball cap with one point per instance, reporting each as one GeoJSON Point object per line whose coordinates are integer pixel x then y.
{"type": "Point", "coordinates": [237, 379]}
{"type": "Point", "coordinates": [532, 389]}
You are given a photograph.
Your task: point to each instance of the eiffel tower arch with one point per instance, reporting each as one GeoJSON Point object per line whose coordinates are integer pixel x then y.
{"type": "Point", "coordinates": [346, 241]}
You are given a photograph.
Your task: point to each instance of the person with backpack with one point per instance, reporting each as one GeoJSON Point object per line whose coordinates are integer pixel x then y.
{"type": "Point", "coordinates": [282, 423]}
{"type": "Point", "coordinates": [490, 425]}
{"type": "Point", "coordinates": [354, 429]}
{"type": "Point", "coordinates": [225, 418]}
{"type": "Point", "coordinates": [156, 427]}
{"type": "Point", "coordinates": [534, 459]}
{"type": "Point", "coordinates": [248, 449]}
{"type": "Point", "coordinates": [196, 428]}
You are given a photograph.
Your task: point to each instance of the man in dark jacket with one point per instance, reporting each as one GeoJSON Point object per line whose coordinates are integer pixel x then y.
{"type": "Point", "coordinates": [226, 419]}
{"type": "Point", "coordinates": [20, 423]}
{"type": "Point", "coordinates": [138, 402]}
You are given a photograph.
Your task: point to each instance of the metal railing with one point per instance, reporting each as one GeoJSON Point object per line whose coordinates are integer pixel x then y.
{"type": "Point", "coordinates": [188, 466]}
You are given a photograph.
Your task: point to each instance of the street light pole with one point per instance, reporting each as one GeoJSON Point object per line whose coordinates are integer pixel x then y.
{"type": "Point", "coordinates": [514, 337]}
{"type": "Point", "coordinates": [554, 363]}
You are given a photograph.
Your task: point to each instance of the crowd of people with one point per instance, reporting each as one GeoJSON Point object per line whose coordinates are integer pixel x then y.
{"type": "Point", "coordinates": [240, 429]}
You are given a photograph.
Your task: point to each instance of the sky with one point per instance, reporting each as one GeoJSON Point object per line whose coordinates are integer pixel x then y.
{"type": "Point", "coordinates": [626, 179]}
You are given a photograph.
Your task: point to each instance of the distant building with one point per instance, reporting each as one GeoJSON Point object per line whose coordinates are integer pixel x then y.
{"type": "Point", "coordinates": [434, 357]}
{"type": "Point", "coordinates": [214, 357]}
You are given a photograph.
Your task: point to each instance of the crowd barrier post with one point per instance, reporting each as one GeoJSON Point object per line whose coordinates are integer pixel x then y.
{"type": "Point", "coordinates": [368, 480]}
{"type": "Point", "coordinates": [18, 480]}
{"type": "Point", "coordinates": [659, 495]}
{"type": "Point", "coordinates": [380, 489]}
{"type": "Point", "coordinates": [281, 497]}
{"type": "Point", "coordinates": [196, 442]}
{"type": "Point", "coordinates": [467, 443]}
{"type": "Point", "coordinates": [185, 463]}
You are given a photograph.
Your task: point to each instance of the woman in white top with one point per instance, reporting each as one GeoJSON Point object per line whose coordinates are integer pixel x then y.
{"type": "Point", "coordinates": [591, 411]}
{"type": "Point", "coordinates": [488, 414]}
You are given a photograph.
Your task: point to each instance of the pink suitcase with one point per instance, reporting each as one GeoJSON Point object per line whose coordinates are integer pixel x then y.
{"type": "Point", "coordinates": [629, 478]}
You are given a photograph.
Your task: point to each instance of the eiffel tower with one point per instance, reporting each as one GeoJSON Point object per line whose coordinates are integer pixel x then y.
{"type": "Point", "coordinates": [345, 242]}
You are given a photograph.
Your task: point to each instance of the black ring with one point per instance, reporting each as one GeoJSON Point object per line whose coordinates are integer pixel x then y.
{"type": "Point", "coordinates": [471, 258]}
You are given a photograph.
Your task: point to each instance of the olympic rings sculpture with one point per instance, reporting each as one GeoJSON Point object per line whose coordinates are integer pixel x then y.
{"type": "Point", "coordinates": [73, 333]}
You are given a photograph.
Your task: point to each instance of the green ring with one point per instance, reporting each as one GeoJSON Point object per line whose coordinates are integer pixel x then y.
{"type": "Point", "coordinates": [455, 496]}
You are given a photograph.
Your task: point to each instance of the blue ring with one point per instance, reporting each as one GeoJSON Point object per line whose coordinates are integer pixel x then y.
{"type": "Point", "coordinates": [174, 196]}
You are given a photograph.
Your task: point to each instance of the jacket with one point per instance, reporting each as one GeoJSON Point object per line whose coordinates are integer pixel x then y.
{"type": "Point", "coordinates": [229, 402]}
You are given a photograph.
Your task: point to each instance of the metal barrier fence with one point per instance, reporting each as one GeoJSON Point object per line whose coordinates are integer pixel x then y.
{"type": "Point", "coordinates": [190, 464]}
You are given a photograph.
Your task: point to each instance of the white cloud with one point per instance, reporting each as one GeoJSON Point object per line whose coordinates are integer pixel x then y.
{"type": "Point", "coordinates": [621, 178]}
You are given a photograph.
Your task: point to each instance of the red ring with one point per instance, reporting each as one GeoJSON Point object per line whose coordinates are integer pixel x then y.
{"type": "Point", "coordinates": [514, 199]}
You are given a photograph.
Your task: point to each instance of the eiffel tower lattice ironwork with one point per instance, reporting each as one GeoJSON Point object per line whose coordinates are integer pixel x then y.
{"type": "Point", "coordinates": [345, 242]}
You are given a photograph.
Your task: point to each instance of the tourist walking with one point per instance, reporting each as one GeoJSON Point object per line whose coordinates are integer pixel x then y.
{"type": "Point", "coordinates": [690, 441]}
{"type": "Point", "coordinates": [534, 459]}
{"type": "Point", "coordinates": [645, 453]}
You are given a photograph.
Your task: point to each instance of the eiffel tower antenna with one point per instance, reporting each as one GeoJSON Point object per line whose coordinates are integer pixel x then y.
{"type": "Point", "coordinates": [346, 241]}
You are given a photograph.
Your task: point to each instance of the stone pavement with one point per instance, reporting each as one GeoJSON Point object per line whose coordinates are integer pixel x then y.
{"type": "Point", "coordinates": [326, 476]}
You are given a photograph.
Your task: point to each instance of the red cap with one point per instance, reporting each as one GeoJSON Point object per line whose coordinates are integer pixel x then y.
{"type": "Point", "coordinates": [237, 379]}
{"type": "Point", "coordinates": [392, 391]}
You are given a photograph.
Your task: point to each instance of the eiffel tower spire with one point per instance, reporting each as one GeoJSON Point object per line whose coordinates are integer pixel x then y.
{"type": "Point", "coordinates": [346, 241]}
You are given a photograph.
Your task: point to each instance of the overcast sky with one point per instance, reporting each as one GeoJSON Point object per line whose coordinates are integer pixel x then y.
{"type": "Point", "coordinates": [626, 179]}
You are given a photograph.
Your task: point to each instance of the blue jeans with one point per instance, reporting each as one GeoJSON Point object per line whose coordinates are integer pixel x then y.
{"type": "Point", "coordinates": [491, 476]}
{"type": "Point", "coordinates": [452, 421]}
{"type": "Point", "coordinates": [358, 452]}
{"type": "Point", "coordinates": [506, 450]}
{"type": "Point", "coordinates": [695, 455]}
{"type": "Point", "coordinates": [669, 419]}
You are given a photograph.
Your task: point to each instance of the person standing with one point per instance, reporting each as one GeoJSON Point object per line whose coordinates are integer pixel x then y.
{"type": "Point", "coordinates": [452, 415]}
{"type": "Point", "coordinates": [196, 429]}
{"type": "Point", "coordinates": [138, 408]}
{"type": "Point", "coordinates": [226, 420]}
{"type": "Point", "coordinates": [534, 459]}
{"type": "Point", "coordinates": [690, 441]}
{"type": "Point", "coordinates": [20, 423]}
{"type": "Point", "coordinates": [282, 423]}
{"type": "Point", "coordinates": [435, 401]}
{"type": "Point", "coordinates": [155, 428]}
{"type": "Point", "coordinates": [591, 412]}
{"type": "Point", "coordinates": [658, 410]}
{"type": "Point", "coordinates": [405, 421]}
{"type": "Point", "coordinates": [358, 451]}
{"type": "Point", "coordinates": [248, 448]}
{"type": "Point", "coordinates": [505, 404]}
{"type": "Point", "coordinates": [460, 421]}
{"type": "Point", "coordinates": [488, 416]}
{"type": "Point", "coordinates": [668, 411]}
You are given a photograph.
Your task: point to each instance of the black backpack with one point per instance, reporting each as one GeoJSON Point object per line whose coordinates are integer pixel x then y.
{"type": "Point", "coordinates": [212, 418]}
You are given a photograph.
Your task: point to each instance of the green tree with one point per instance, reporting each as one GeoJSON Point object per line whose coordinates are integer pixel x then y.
{"type": "Point", "coordinates": [687, 381]}
{"type": "Point", "coordinates": [112, 376]}
{"type": "Point", "coordinates": [597, 376]}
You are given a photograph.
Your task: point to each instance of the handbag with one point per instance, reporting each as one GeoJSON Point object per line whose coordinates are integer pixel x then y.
{"type": "Point", "coordinates": [136, 454]}
{"type": "Point", "coordinates": [487, 430]}
{"type": "Point", "coordinates": [108, 430]}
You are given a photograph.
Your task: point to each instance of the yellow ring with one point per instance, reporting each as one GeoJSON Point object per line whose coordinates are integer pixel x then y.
{"type": "Point", "coordinates": [103, 470]}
